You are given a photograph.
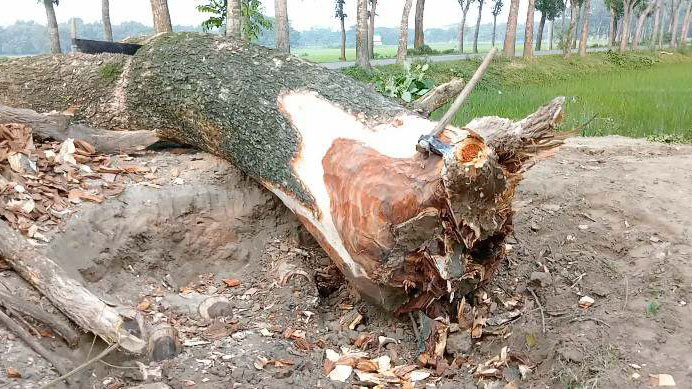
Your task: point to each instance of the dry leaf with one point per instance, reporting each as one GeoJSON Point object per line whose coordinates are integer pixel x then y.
{"type": "Point", "coordinates": [366, 365]}
{"type": "Point", "coordinates": [144, 305]}
{"type": "Point", "coordinates": [586, 302]}
{"type": "Point", "coordinates": [232, 282]}
{"type": "Point", "coordinates": [340, 373]}
{"type": "Point", "coordinates": [661, 380]}
{"type": "Point", "coordinates": [13, 373]}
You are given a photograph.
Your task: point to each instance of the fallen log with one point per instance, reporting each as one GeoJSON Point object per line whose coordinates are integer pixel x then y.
{"type": "Point", "coordinates": [438, 96]}
{"type": "Point", "coordinates": [406, 229]}
{"type": "Point", "coordinates": [68, 295]}
{"type": "Point", "coordinates": [57, 127]}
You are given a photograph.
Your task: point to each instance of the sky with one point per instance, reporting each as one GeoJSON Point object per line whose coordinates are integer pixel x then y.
{"type": "Point", "coordinates": [303, 14]}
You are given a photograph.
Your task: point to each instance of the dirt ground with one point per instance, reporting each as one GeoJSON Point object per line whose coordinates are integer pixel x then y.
{"type": "Point", "coordinates": [608, 218]}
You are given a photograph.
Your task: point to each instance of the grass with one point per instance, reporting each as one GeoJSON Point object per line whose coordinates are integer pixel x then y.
{"type": "Point", "coordinates": [321, 55]}
{"type": "Point", "coordinates": [638, 95]}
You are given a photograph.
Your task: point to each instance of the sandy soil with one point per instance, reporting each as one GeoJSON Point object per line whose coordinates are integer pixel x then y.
{"type": "Point", "coordinates": [607, 218]}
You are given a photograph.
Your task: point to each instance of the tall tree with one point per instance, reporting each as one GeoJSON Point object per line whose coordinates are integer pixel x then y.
{"type": "Point", "coordinates": [528, 31]}
{"type": "Point", "coordinates": [418, 34]}
{"type": "Point", "coordinates": [233, 19]}
{"type": "Point", "coordinates": [281, 16]}
{"type": "Point", "coordinates": [403, 33]}
{"type": "Point", "coordinates": [685, 30]}
{"type": "Point", "coordinates": [567, 42]}
{"type": "Point", "coordinates": [339, 14]}
{"type": "Point", "coordinates": [52, 26]}
{"type": "Point", "coordinates": [657, 24]}
{"type": "Point", "coordinates": [615, 9]}
{"type": "Point", "coordinates": [162, 18]}
{"type": "Point", "coordinates": [586, 7]}
{"type": "Point", "coordinates": [549, 9]}
{"type": "Point", "coordinates": [106, 20]}
{"type": "Point", "coordinates": [464, 4]}
{"type": "Point", "coordinates": [674, 23]}
{"type": "Point", "coordinates": [628, 7]}
{"type": "Point", "coordinates": [640, 23]}
{"type": "Point", "coordinates": [497, 8]}
{"type": "Point", "coordinates": [478, 25]}
{"type": "Point", "coordinates": [362, 35]}
{"type": "Point", "coordinates": [511, 34]}
{"type": "Point", "coordinates": [371, 29]}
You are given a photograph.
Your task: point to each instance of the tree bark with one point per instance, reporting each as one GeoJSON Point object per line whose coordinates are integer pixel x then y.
{"type": "Point", "coordinates": [281, 16]}
{"type": "Point", "coordinates": [528, 32]}
{"type": "Point", "coordinates": [52, 27]}
{"type": "Point", "coordinates": [343, 39]}
{"type": "Point", "coordinates": [371, 29]}
{"type": "Point", "coordinates": [478, 26]}
{"type": "Point", "coordinates": [628, 5]}
{"type": "Point", "coordinates": [567, 46]}
{"type": "Point", "coordinates": [419, 34]}
{"type": "Point", "coordinates": [233, 19]}
{"type": "Point", "coordinates": [657, 25]}
{"type": "Point", "coordinates": [541, 26]}
{"type": "Point", "coordinates": [162, 18]}
{"type": "Point", "coordinates": [576, 27]}
{"type": "Point", "coordinates": [494, 29]}
{"type": "Point", "coordinates": [363, 57]}
{"type": "Point", "coordinates": [68, 295]}
{"type": "Point", "coordinates": [511, 34]}
{"type": "Point", "coordinates": [405, 230]}
{"type": "Point", "coordinates": [685, 29]}
{"type": "Point", "coordinates": [612, 32]}
{"type": "Point", "coordinates": [462, 26]}
{"type": "Point", "coordinates": [550, 34]}
{"type": "Point", "coordinates": [106, 20]}
{"type": "Point", "coordinates": [438, 97]}
{"type": "Point", "coordinates": [402, 50]}
{"type": "Point", "coordinates": [640, 25]}
{"type": "Point", "coordinates": [674, 23]}
{"type": "Point", "coordinates": [585, 28]}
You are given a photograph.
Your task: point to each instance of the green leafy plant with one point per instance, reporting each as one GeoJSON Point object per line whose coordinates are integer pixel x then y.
{"type": "Point", "coordinates": [408, 85]}
{"type": "Point", "coordinates": [251, 12]}
{"type": "Point", "coordinates": [110, 71]}
{"type": "Point", "coordinates": [652, 308]}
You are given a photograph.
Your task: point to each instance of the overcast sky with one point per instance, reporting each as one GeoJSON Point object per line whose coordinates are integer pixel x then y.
{"type": "Point", "coordinates": [303, 14]}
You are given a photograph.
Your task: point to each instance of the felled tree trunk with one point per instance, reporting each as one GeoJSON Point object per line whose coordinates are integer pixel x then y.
{"type": "Point", "coordinates": [405, 228]}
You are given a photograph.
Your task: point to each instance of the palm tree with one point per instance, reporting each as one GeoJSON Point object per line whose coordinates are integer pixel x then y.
{"type": "Point", "coordinates": [52, 26]}
{"type": "Point", "coordinates": [403, 34]}
{"type": "Point", "coordinates": [162, 18]}
{"type": "Point", "coordinates": [106, 20]}
{"type": "Point", "coordinates": [281, 15]}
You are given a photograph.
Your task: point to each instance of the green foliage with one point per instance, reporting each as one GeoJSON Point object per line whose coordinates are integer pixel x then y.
{"type": "Point", "coordinates": [427, 50]}
{"type": "Point", "coordinates": [551, 8]}
{"type": "Point", "coordinates": [497, 7]}
{"type": "Point", "coordinates": [110, 72]}
{"type": "Point", "coordinates": [671, 138]}
{"type": "Point", "coordinates": [630, 60]}
{"type": "Point", "coordinates": [253, 20]}
{"type": "Point", "coordinates": [339, 9]}
{"type": "Point", "coordinates": [408, 85]}
{"type": "Point", "coordinates": [652, 308]}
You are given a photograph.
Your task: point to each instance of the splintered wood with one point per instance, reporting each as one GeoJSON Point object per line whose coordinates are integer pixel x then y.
{"type": "Point", "coordinates": [41, 182]}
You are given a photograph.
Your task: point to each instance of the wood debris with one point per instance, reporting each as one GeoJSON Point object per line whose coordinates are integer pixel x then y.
{"type": "Point", "coordinates": [41, 182]}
